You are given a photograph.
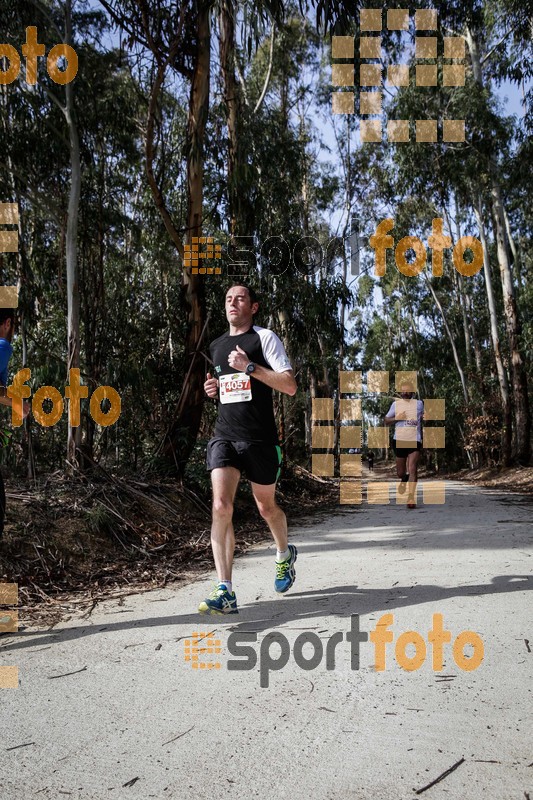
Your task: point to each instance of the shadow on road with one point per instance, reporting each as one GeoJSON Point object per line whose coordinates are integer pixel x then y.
{"type": "Point", "coordinates": [337, 601]}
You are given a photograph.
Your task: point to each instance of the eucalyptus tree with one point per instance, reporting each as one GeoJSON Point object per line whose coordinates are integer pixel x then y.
{"type": "Point", "coordinates": [494, 32]}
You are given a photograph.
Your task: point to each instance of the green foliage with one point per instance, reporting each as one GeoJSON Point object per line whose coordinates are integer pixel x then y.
{"type": "Point", "coordinates": [296, 176]}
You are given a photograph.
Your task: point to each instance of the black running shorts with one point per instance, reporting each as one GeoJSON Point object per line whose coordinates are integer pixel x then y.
{"type": "Point", "coordinates": [403, 452]}
{"type": "Point", "coordinates": [261, 463]}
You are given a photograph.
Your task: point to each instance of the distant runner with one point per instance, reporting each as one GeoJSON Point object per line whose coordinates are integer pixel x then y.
{"type": "Point", "coordinates": [370, 459]}
{"type": "Point", "coordinates": [249, 362]}
{"type": "Point", "coordinates": [406, 414]}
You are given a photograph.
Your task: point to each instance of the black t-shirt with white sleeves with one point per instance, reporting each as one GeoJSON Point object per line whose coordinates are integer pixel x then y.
{"type": "Point", "coordinates": [250, 420]}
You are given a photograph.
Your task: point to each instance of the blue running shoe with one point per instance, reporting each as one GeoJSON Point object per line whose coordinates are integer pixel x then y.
{"type": "Point", "coordinates": [220, 601]}
{"type": "Point", "coordinates": [285, 572]}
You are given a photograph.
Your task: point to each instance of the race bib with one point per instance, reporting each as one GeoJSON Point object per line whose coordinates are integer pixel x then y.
{"type": "Point", "coordinates": [405, 434]}
{"type": "Point", "coordinates": [235, 388]}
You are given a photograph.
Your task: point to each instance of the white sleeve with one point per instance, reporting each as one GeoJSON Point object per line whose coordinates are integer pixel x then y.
{"type": "Point", "coordinates": [392, 411]}
{"type": "Point", "coordinates": [273, 351]}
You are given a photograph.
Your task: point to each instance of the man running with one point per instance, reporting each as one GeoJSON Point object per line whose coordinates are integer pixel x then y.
{"type": "Point", "coordinates": [7, 324]}
{"type": "Point", "coordinates": [249, 362]}
{"type": "Point", "coordinates": [406, 414]}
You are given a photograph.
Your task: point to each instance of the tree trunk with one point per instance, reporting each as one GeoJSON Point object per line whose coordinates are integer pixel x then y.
{"type": "Point", "coordinates": [309, 407]}
{"type": "Point", "coordinates": [514, 249]}
{"type": "Point", "coordinates": [522, 449]}
{"type": "Point", "coordinates": [326, 389]}
{"type": "Point", "coordinates": [347, 211]}
{"type": "Point", "coordinates": [460, 289]}
{"type": "Point", "coordinates": [232, 100]}
{"type": "Point", "coordinates": [184, 429]}
{"type": "Point", "coordinates": [474, 336]}
{"type": "Point", "coordinates": [452, 342]}
{"type": "Point", "coordinates": [71, 245]}
{"type": "Point", "coordinates": [461, 302]}
{"type": "Point", "coordinates": [495, 337]}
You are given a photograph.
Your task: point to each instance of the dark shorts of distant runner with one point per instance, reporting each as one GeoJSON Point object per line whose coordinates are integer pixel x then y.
{"type": "Point", "coordinates": [260, 463]}
{"type": "Point", "coordinates": [403, 452]}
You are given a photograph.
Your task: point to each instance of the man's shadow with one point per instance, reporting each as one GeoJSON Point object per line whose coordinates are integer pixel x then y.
{"type": "Point", "coordinates": [343, 601]}
{"type": "Point", "coordinates": [299, 607]}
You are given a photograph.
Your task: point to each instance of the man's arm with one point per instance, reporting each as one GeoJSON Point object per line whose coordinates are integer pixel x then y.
{"type": "Point", "coordinates": [392, 418]}
{"type": "Point", "coordinates": [280, 381]}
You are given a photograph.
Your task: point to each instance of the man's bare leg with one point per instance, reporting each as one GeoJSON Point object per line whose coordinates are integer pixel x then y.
{"type": "Point", "coordinates": [401, 471]}
{"type": "Point", "coordinates": [277, 522]}
{"type": "Point", "coordinates": [224, 481]}
{"type": "Point", "coordinates": [273, 515]}
{"type": "Point", "coordinates": [412, 467]}
{"type": "Point", "coordinates": [400, 467]}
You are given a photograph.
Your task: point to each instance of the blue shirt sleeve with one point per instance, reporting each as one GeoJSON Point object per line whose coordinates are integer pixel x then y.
{"type": "Point", "coordinates": [6, 351]}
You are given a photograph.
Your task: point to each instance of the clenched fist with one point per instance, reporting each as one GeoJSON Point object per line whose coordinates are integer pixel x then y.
{"type": "Point", "coordinates": [238, 359]}
{"type": "Point", "coordinates": [211, 386]}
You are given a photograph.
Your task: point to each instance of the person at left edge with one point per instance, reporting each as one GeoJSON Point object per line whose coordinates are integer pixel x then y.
{"type": "Point", "coordinates": [249, 362]}
{"type": "Point", "coordinates": [7, 326]}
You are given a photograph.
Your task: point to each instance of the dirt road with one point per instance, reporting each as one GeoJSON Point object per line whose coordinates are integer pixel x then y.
{"type": "Point", "coordinates": [134, 719]}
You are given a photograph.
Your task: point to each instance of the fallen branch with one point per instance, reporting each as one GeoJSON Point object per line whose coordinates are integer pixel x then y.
{"type": "Point", "coordinates": [441, 777]}
{"type": "Point", "coordinates": [177, 737]}
{"type": "Point", "coordinates": [26, 744]}
{"type": "Point", "coordinates": [68, 673]}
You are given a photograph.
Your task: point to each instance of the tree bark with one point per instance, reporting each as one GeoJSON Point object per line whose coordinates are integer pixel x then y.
{"type": "Point", "coordinates": [449, 333]}
{"type": "Point", "coordinates": [71, 244]}
{"type": "Point", "coordinates": [518, 374]}
{"type": "Point", "coordinates": [522, 418]}
{"type": "Point", "coordinates": [514, 249]}
{"type": "Point", "coordinates": [232, 100]}
{"type": "Point", "coordinates": [495, 337]}
{"type": "Point", "coordinates": [183, 431]}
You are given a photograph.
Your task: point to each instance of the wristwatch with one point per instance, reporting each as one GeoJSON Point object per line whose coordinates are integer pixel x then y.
{"type": "Point", "coordinates": [250, 368]}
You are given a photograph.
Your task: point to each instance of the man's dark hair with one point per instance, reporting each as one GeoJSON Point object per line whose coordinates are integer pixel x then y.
{"type": "Point", "coordinates": [251, 291]}
{"type": "Point", "coordinates": [7, 313]}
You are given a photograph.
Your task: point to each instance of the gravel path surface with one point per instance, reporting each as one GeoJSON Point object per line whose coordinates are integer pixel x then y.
{"type": "Point", "coordinates": [136, 720]}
